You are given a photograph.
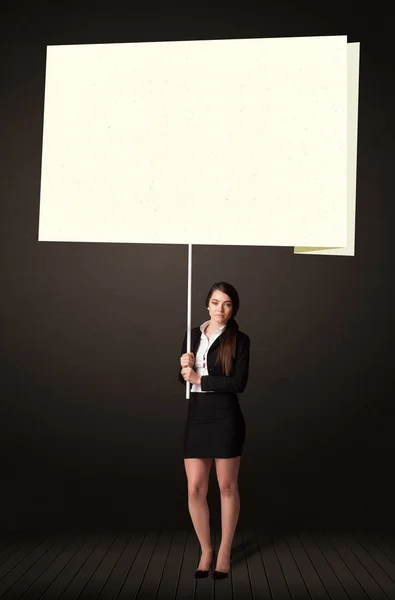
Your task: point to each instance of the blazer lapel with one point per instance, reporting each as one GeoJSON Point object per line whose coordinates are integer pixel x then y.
{"type": "Point", "coordinates": [216, 343]}
{"type": "Point", "coordinates": [195, 341]}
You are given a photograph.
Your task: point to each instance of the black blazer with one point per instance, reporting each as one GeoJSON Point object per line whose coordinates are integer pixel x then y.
{"type": "Point", "coordinates": [216, 381]}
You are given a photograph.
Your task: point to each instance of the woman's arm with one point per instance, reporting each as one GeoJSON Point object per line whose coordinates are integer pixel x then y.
{"type": "Point", "coordinates": [183, 350]}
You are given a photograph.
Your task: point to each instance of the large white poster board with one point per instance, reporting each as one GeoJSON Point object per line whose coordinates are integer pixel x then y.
{"type": "Point", "coordinates": [240, 142]}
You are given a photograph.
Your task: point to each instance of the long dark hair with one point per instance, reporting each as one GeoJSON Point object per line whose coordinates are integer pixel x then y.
{"type": "Point", "coordinates": [227, 348]}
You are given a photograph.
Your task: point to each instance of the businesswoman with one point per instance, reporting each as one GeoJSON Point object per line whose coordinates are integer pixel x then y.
{"type": "Point", "coordinates": [217, 368]}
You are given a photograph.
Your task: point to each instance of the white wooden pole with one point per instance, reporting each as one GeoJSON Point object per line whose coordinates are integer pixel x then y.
{"type": "Point", "coordinates": [189, 307]}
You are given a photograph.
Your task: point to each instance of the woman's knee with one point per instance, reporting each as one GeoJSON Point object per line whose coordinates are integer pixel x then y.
{"type": "Point", "coordinates": [227, 475]}
{"type": "Point", "coordinates": [228, 488]}
{"type": "Point", "coordinates": [197, 490]}
{"type": "Point", "coordinates": [198, 473]}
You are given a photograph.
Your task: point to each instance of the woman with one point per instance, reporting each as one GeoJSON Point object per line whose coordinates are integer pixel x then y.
{"type": "Point", "coordinates": [215, 426]}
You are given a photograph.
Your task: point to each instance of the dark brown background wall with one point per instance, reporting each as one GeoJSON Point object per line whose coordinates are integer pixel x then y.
{"type": "Point", "coordinates": [92, 413]}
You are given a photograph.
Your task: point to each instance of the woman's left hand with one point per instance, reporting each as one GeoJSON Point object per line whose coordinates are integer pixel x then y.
{"type": "Point", "coordinates": [190, 375]}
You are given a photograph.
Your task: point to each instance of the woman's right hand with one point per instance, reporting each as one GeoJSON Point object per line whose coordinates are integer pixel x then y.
{"type": "Point", "coordinates": [187, 359]}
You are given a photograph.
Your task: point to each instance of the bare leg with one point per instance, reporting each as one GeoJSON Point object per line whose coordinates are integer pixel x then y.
{"type": "Point", "coordinates": [198, 471]}
{"type": "Point", "coordinates": [227, 475]}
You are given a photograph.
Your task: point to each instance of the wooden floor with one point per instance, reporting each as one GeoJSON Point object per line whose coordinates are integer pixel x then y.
{"type": "Point", "coordinates": [161, 565]}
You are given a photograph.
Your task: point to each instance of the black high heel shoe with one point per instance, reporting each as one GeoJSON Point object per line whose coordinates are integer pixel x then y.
{"type": "Point", "coordinates": [201, 574]}
{"type": "Point", "coordinates": [222, 574]}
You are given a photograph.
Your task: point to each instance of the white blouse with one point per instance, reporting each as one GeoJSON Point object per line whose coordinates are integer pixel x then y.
{"type": "Point", "coordinates": [200, 366]}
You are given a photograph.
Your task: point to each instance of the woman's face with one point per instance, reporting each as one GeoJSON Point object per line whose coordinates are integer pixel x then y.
{"type": "Point", "coordinates": [220, 308]}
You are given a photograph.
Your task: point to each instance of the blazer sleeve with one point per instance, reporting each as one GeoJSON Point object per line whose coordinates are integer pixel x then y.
{"type": "Point", "coordinates": [236, 383]}
{"type": "Point", "coordinates": [183, 350]}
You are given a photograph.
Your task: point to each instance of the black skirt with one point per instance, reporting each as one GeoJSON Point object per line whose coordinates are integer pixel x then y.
{"type": "Point", "coordinates": [215, 426]}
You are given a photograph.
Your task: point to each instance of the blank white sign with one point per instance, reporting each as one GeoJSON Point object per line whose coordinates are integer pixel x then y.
{"type": "Point", "coordinates": [235, 142]}
{"type": "Point", "coordinates": [352, 142]}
